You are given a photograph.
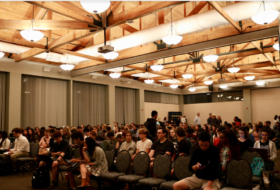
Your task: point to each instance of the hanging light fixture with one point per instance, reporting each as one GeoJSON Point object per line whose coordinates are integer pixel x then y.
{"type": "Point", "coordinates": [211, 57]}
{"type": "Point", "coordinates": [208, 82]}
{"type": "Point", "coordinates": [233, 69]}
{"type": "Point", "coordinates": [223, 86]}
{"type": "Point", "coordinates": [174, 86]}
{"type": "Point", "coordinates": [32, 35]}
{"type": "Point", "coordinates": [158, 67]}
{"type": "Point", "coordinates": [115, 75]}
{"type": "Point", "coordinates": [2, 54]}
{"type": "Point", "coordinates": [265, 17]}
{"type": "Point", "coordinates": [110, 55]}
{"type": "Point", "coordinates": [192, 89]}
{"type": "Point", "coordinates": [260, 82]}
{"type": "Point", "coordinates": [248, 78]}
{"type": "Point", "coordinates": [172, 39]}
{"type": "Point", "coordinates": [276, 46]}
{"type": "Point", "coordinates": [95, 6]}
{"type": "Point", "coordinates": [148, 81]}
{"type": "Point", "coordinates": [66, 66]}
{"type": "Point", "coordinates": [187, 75]}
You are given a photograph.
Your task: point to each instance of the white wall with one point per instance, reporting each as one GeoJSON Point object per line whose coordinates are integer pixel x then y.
{"type": "Point", "coordinates": [227, 110]}
{"type": "Point", "coordinates": [265, 104]}
{"type": "Point", "coordinates": [162, 109]}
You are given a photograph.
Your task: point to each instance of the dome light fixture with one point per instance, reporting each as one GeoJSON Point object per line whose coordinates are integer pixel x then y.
{"type": "Point", "coordinates": [265, 17]}
{"type": "Point", "coordinates": [2, 54]}
{"type": "Point", "coordinates": [110, 55]}
{"type": "Point", "coordinates": [260, 82]}
{"type": "Point", "coordinates": [174, 86]}
{"type": "Point", "coordinates": [233, 69]}
{"type": "Point", "coordinates": [66, 66]}
{"type": "Point", "coordinates": [172, 39]}
{"type": "Point", "coordinates": [249, 78]}
{"type": "Point", "coordinates": [95, 6]}
{"type": "Point", "coordinates": [210, 58]}
{"type": "Point", "coordinates": [32, 35]}
{"type": "Point", "coordinates": [192, 89]}
{"type": "Point", "coordinates": [187, 76]}
{"type": "Point", "coordinates": [115, 75]}
{"type": "Point", "coordinates": [223, 86]}
{"type": "Point", "coordinates": [276, 46]}
{"type": "Point", "coordinates": [157, 67]}
{"type": "Point", "coordinates": [148, 81]}
{"type": "Point", "coordinates": [208, 82]}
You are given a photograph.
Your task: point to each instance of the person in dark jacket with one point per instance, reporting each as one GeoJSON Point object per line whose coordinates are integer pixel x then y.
{"type": "Point", "coordinates": [151, 123]}
{"type": "Point", "coordinates": [205, 163]}
{"type": "Point", "coordinates": [210, 120]}
{"type": "Point", "coordinates": [228, 147]}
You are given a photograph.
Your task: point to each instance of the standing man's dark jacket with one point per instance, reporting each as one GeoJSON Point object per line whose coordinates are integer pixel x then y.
{"type": "Point", "coordinates": [151, 125]}
{"type": "Point", "coordinates": [210, 121]}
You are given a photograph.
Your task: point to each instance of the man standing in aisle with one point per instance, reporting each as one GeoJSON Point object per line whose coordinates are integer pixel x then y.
{"type": "Point", "coordinates": [197, 119]}
{"type": "Point", "coordinates": [151, 123]}
{"type": "Point", "coordinates": [210, 119]}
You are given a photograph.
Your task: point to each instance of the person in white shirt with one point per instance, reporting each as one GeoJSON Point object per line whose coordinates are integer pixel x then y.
{"type": "Point", "coordinates": [144, 144]}
{"type": "Point", "coordinates": [4, 141]}
{"type": "Point", "coordinates": [197, 119]}
{"type": "Point", "coordinates": [183, 119]}
{"type": "Point", "coordinates": [21, 148]}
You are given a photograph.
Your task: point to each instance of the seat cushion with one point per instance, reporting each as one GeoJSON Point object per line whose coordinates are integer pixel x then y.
{"type": "Point", "coordinates": [232, 188]}
{"type": "Point", "coordinates": [256, 179]}
{"type": "Point", "coordinates": [62, 168]}
{"type": "Point", "coordinates": [130, 178]}
{"type": "Point", "coordinates": [152, 182]}
{"type": "Point", "coordinates": [167, 185]}
{"type": "Point", "coordinates": [25, 159]}
{"type": "Point", "coordinates": [111, 175]}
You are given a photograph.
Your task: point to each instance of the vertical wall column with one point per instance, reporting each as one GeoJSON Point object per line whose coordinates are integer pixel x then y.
{"type": "Point", "coordinates": [247, 106]}
{"type": "Point", "coordinates": [181, 104]}
{"type": "Point", "coordinates": [111, 104]}
{"type": "Point", "coordinates": [70, 103]}
{"type": "Point", "coordinates": [140, 103]}
{"type": "Point", "coordinates": [14, 99]}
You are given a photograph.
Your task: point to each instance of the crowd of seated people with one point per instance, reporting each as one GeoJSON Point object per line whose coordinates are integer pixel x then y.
{"type": "Point", "coordinates": [209, 145]}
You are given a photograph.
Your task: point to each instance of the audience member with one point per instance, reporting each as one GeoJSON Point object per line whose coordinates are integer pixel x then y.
{"type": "Point", "coordinates": [79, 128]}
{"type": "Point", "coordinates": [183, 145]}
{"type": "Point", "coordinates": [21, 148]}
{"type": "Point", "coordinates": [244, 142]}
{"type": "Point", "coordinates": [215, 120]}
{"type": "Point", "coordinates": [217, 140]}
{"type": "Point", "coordinates": [183, 119]}
{"type": "Point", "coordinates": [237, 121]}
{"type": "Point", "coordinates": [228, 147]}
{"type": "Point", "coordinates": [45, 141]}
{"type": "Point", "coordinates": [67, 133]}
{"type": "Point", "coordinates": [4, 140]}
{"type": "Point", "coordinates": [210, 120]}
{"type": "Point", "coordinates": [134, 130]}
{"type": "Point", "coordinates": [144, 144]}
{"type": "Point", "coordinates": [151, 123]}
{"type": "Point", "coordinates": [191, 135]}
{"type": "Point", "coordinates": [111, 138]}
{"type": "Point", "coordinates": [204, 163]}
{"type": "Point", "coordinates": [206, 128]}
{"type": "Point", "coordinates": [197, 119]}
{"type": "Point", "coordinates": [117, 131]}
{"type": "Point", "coordinates": [219, 120]}
{"type": "Point", "coordinates": [120, 140]}
{"type": "Point", "coordinates": [128, 145]}
{"type": "Point", "coordinates": [25, 133]}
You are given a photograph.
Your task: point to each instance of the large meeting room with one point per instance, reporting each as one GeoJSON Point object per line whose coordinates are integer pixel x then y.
{"type": "Point", "coordinates": [139, 95]}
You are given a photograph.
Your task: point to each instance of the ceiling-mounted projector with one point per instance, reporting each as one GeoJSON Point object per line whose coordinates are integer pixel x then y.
{"type": "Point", "coordinates": [105, 49]}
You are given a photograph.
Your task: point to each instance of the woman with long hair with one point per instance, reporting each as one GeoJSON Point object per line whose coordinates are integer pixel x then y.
{"type": "Point", "coordinates": [4, 140]}
{"type": "Point", "coordinates": [31, 135]}
{"type": "Point", "coordinates": [117, 131]}
{"type": "Point", "coordinates": [244, 141]}
{"type": "Point", "coordinates": [213, 133]}
{"type": "Point", "coordinates": [172, 136]}
{"type": "Point", "coordinates": [25, 133]}
{"type": "Point", "coordinates": [197, 129]}
{"type": "Point", "coordinates": [206, 128]}
{"type": "Point", "coordinates": [67, 133]}
{"type": "Point", "coordinates": [228, 147]}
{"type": "Point", "coordinates": [275, 120]}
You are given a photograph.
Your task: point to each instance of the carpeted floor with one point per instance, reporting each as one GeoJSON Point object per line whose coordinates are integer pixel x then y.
{"type": "Point", "coordinates": [23, 182]}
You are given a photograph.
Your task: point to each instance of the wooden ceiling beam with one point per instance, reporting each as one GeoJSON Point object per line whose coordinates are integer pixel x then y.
{"type": "Point", "coordinates": [140, 11]}
{"type": "Point", "coordinates": [219, 9]}
{"type": "Point", "coordinates": [198, 8]}
{"type": "Point", "coordinates": [44, 25]}
{"type": "Point", "coordinates": [128, 28]}
{"type": "Point", "coordinates": [54, 7]}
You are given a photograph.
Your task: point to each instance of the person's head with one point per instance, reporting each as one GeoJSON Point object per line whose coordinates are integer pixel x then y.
{"type": "Point", "coordinates": [66, 132]}
{"type": "Point", "coordinates": [31, 132]}
{"type": "Point", "coordinates": [77, 137]}
{"type": "Point", "coordinates": [86, 130]}
{"type": "Point", "coordinates": [143, 132]}
{"type": "Point", "coordinates": [93, 134]}
{"type": "Point", "coordinates": [46, 133]}
{"type": "Point", "coordinates": [172, 133]}
{"type": "Point", "coordinates": [57, 136]}
{"type": "Point", "coordinates": [80, 129]}
{"type": "Point", "coordinates": [213, 116]}
{"type": "Point", "coordinates": [25, 132]}
{"type": "Point", "coordinates": [164, 119]}
{"type": "Point", "coordinates": [210, 114]}
{"type": "Point", "coordinates": [108, 129]}
{"type": "Point", "coordinates": [204, 140]}
{"type": "Point", "coordinates": [90, 145]}
{"type": "Point", "coordinates": [37, 130]}
{"type": "Point", "coordinates": [189, 131]}
{"type": "Point", "coordinates": [161, 133]}
{"type": "Point", "coordinates": [236, 128]}
{"type": "Point", "coordinates": [219, 117]}
{"type": "Point", "coordinates": [228, 137]}
{"type": "Point", "coordinates": [185, 125]}
{"type": "Point", "coordinates": [52, 132]}
{"type": "Point", "coordinates": [111, 135]}
{"type": "Point", "coordinates": [128, 136]}
{"type": "Point", "coordinates": [197, 127]}
{"type": "Point", "coordinates": [119, 138]}
{"type": "Point", "coordinates": [117, 129]}
{"type": "Point", "coordinates": [265, 134]}
{"type": "Point", "coordinates": [61, 131]}
{"type": "Point", "coordinates": [243, 132]}
{"type": "Point", "coordinates": [135, 127]}
{"type": "Point", "coordinates": [277, 125]}
{"type": "Point", "coordinates": [205, 127]}
{"type": "Point", "coordinates": [154, 114]}
{"type": "Point", "coordinates": [275, 117]}
{"type": "Point", "coordinates": [256, 127]}
{"type": "Point", "coordinates": [219, 131]}
{"type": "Point", "coordinates": [125, 129]}
{"type": "Point", "coordinates": [198, 114]}
{"type": "Point", "coordinates": [4, 135]}
{"type": "Point", "coordinates": [116, 124]}
{"type": "Point", "coordinates": [228, 126]}
{"type": "Point", "coordinates": [17, 132]}
{"type": "Point", "coordinates": [180, 132]}
{"type": "Point", "coordinates": [214, 127]}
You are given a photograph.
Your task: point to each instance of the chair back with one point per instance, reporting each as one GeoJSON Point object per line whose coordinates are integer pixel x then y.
{"type": "Point", "coordinates": [30, 147]}
{"type": "Point", "coordinates": [162, 165]}
{"type": "Point", "coordinates": [34, 150]}
{"type": "Point", "coordinates": [141, 163]}
{"type": "Point", "coordinates": [238, 173]}
{"type": "Point", "coordinates": [250, 155]}
{"type": "Point", "coordinates": [113, 147]}
{"type": "Point", "coordinates": [110, 158]}
{"type": "Point", "coordinates": [182, 162]}
{"type": "Point", "coordinates": [123, 161]}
